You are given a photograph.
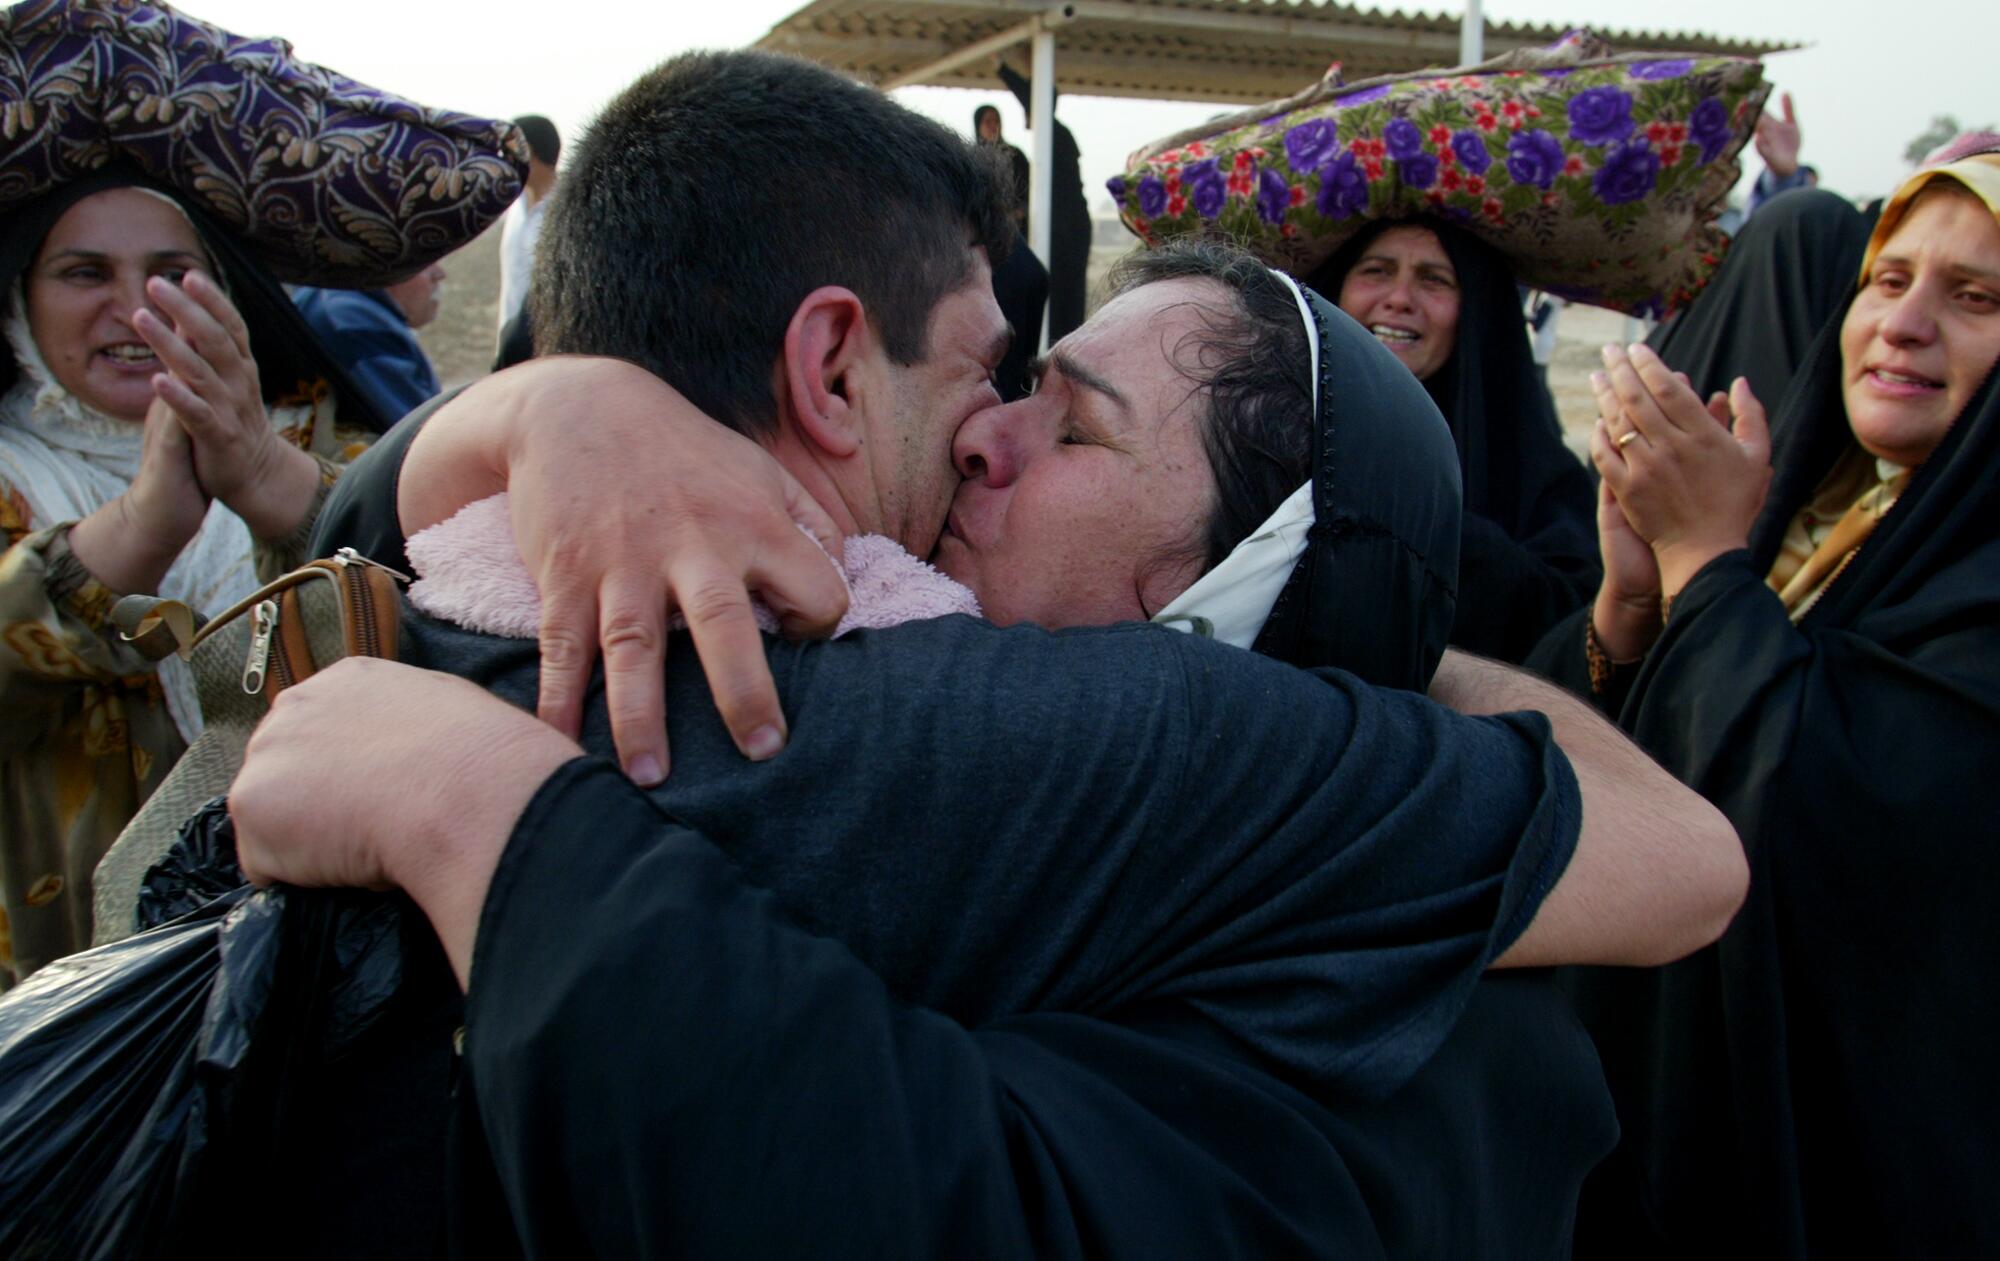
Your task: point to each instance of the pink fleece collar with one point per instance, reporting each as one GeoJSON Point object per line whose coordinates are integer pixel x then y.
{"type": "Point", "coordinates": [470, 573]}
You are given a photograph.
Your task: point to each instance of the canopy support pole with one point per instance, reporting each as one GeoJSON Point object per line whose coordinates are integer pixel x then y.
{"type": "Point", "coordinates": [1041, 162]}
{"type": "Point", "coordinates": [1472, 34]}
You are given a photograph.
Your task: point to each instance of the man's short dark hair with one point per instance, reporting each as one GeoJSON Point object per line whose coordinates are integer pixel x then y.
{"type": "Point", "coordinates": [1253, 366]}
{"type": "Point", "coordinates": [544, 141]}
{"type": "Point", "coordinates": [719, 190]}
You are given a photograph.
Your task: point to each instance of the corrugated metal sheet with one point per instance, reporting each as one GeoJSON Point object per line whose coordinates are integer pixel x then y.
{"type": "Point", "coordinates": [1241, 51]}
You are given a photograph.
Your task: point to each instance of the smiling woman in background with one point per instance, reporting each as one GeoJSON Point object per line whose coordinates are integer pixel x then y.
{"type": "Point", "coordinates": [1827, 670]}
{"type": "Point", "coordinates": [1447, 306]}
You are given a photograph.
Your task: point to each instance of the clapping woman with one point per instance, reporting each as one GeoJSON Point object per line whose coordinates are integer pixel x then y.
{"type": "Point", "coordinates": [141, 450]}
{"type": "Point", "coordinates": [1813, 641]}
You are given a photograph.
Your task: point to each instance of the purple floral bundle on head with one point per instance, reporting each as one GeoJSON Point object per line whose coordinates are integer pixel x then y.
{"type": "Point", "coordinates": [1629, 173]}
{"type": "Point", "coordinates": [1660, 70]}
{"type": "Point", "coordinates": [1535, 158]}
{"type": "Point", "coordinates": [1600, 115]}
{"type": "Point", "coordinates": [1309, 144]}
{"type": "Point", "coordinates": [1274, 196]}
{"type": "Point", "coordinates": [1594, 174]}
{"type": "Point", "coordinates": [1343, 188]}
{"type": "Point", "coordinates": [1709, 127]}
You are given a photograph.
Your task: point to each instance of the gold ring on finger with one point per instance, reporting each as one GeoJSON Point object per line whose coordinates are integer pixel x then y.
{"type": "Point", "coordinates": [1627, 439]}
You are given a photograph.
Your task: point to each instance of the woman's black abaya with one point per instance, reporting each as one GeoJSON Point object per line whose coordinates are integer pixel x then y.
{"type": "Point", "coordinates": [1787, 273]}
{"type": "Point", "coordinates": [1820, 1082]}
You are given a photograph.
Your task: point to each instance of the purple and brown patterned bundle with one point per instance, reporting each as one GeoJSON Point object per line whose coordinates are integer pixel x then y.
{"type": "Point", "coordinates": [1598, 177]}
{"type": "Point", "coordinates": [327, 181]}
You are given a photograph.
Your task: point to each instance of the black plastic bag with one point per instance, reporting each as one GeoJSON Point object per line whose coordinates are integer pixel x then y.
{"type": "Point", "coordinates": [235, 1062]}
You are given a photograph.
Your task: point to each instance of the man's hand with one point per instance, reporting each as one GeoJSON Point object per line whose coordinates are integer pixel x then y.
{"type": "Point", "coordinates": [630, 505]}
{"type": "Point", "coordinates": [377, 775]}
{"type": "Point", "coordinates": [1778, 141]}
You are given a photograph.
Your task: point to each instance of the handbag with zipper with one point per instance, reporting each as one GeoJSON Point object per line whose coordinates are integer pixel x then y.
{"type": "Point", "coordinates": [279, 635]}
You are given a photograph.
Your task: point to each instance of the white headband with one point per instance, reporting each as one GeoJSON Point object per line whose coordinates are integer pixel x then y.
{"type": "Point", "coordinates": [1232, 601]}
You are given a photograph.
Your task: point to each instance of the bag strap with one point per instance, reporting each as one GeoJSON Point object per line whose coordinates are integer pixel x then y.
{"type": "Point", "coordinates": [280, 653]}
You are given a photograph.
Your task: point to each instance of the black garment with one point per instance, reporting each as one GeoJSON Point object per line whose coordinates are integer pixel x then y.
{"type": "Point", "coordinates": [1021, 287]}
{"type": "Point", "coordinates": [1789, 270]}
{"type": "Point", "coordinates": [517, 341]}
{"type": "Point", "coordinates": [1529, 553]}
{"type": "Point", "coordinates": [1374, 592]}
{"type": "Point", "coordinates": [1069, 219]}
{"type": "Point", "coordinates": [1113, 880]}
{"type": "Point", "coordinates": [1131, 1021]}
{"type": "Point", "coordinates": [1017, 176]}
{"type": "Point", "coordinates": [290, 358]}
{"type": "Point", "coordinates": [1820, 1082]}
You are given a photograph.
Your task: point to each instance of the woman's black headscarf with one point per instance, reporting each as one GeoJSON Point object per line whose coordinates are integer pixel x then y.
{"type": "Point", "coordinates": [1374, 594]}
{"type": "Point", "coordinates": [1375, 590]}
{"type": "Point", "coordinates": [1787, 273]}
{"type": "Point", "coordinates": [1529, 553]}
{"type": "Point", "coordinates": [289, 358]}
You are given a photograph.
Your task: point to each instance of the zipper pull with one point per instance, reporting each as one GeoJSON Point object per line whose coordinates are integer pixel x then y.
{"type": "Point", "coordinates": [263, 624]}
{"type": "Point", "coordinates": [348, 556]}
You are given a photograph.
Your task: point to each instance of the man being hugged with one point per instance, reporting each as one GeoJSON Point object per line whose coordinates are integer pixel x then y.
{"type": "Point", "coordinates": [1108, 942]}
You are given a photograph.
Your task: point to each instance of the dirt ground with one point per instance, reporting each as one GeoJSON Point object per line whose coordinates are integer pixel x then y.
{"type": "Point", "coordinates": [460, 341]}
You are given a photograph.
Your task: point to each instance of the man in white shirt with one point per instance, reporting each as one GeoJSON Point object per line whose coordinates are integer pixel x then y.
{"type": "Point", "coordinates": [524, 218]}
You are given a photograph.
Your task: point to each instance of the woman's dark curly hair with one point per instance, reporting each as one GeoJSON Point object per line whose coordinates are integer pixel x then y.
{"type": "Point", "coordinates": [1252, 362]}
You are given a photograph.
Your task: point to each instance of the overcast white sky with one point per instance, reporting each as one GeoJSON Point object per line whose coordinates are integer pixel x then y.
{"type": "Point", "coordinates": [1874, 74]}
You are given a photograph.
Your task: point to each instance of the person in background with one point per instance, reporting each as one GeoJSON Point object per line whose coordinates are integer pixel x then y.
{"type": "Point", "coordinates": [1778, 144]}
{"type": "Point", "coordinates": [372, 334]}
{"type": "Point", "coordinates": [1021, 287]}
{"type": "Point", "coordinates": [1804, 625]}
{"type": "Point", "coordinates": [1069, 219]}
{"type": "Point", "coordinates": [523, 225]}
{"type": "Point", "coordinates": [1020, 281]}
{"type": "Point", "coordinates": [986, 130]}
{"type": "Point", "coordinates": [1446, 305]}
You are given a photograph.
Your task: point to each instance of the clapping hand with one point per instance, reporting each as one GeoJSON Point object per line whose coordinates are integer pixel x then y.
{"type": "Point", "coordinates": [211, 385]}
{"type": "Point", "coordinates": [1689, 478]}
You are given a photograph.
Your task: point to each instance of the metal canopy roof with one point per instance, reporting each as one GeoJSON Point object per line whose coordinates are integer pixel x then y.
{"type": "Point", "coordinates": [1241, 51]}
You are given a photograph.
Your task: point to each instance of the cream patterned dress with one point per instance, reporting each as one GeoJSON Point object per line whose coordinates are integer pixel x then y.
{"type": "Point", "coordinates": [88, 726]}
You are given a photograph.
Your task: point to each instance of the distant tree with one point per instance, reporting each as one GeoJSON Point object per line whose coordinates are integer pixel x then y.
{"type": "Point", "coordinates": [1943, 127]}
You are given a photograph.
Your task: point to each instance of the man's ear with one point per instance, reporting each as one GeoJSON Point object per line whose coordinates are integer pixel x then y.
{"type": "Point", "coordinates": [825, 342]}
